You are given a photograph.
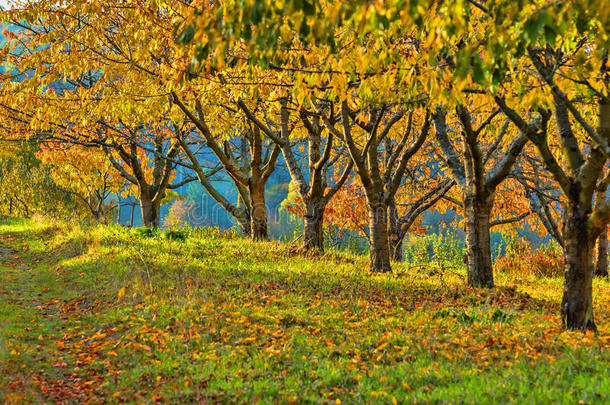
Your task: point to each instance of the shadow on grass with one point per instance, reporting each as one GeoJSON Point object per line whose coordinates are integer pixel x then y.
{"type": "Point", "coordinates": [268, 269]}
{"type": "Point", "coordinates": [118, 257]}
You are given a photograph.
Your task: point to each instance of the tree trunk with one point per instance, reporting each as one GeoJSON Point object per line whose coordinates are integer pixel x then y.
{"type": "Point", "coordinates": [379, 238]}
{"type": "Point", "coordinates": [478, 245]}
{"type": "Point", "coordinates": [601, 261]}
{"type": "Point", "coordinates": [601, 248]}
{"type": "Point", "coordinates": [396, 252]}
{"type": "Point", "coordinates": [258, 211]}
{"type": "Point", "coordinates": [601, 268]}
{"type": "Point", "coordinates": [313, 237]}
{"type": "Point", "coordinates": [150, 212]}
{"type": "Point", "coordinates": [577, 303]}
{"type": "Point", "coordinates": [118, 209]}
{"type": "Point", "coordinates": [133, 208]}
{"type": "Point", "coordinates": [243, 222]}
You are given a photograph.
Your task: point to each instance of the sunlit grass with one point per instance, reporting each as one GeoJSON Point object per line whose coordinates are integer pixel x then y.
{"type": "Point", "coordinates": [105, 313]}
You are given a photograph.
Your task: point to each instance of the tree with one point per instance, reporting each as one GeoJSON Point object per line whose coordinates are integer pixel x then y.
{"type": "Point", "coordinates": [380, 183]}
{"type": "Point", "coordinates": [74, 86]}
{"type": "Point", "coordinates": [582, 223]}
{"type": "Point", "coordinates": [27, 186]}
{"type": "Point", "coordinates": [131, 161]}
{"type": "Point", "coordinates": [313, 190]}
{"type": "Point", "coordinates": [554, 60]}
{"type": "Point", "coordinates": [84, 173]}
{"type": "Point", "coordinates": [251, 176]}
{"type": "Point", "coordinates": [478, 171]}
{"type": "Point", "coordinates": [423, 187]}
{"type": "Point", "coordinates": [601, 246]}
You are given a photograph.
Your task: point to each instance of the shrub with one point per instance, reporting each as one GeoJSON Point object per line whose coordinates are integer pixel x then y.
{"type": "Point", "coordinates": [441, 247]}
{"type": "Point", "coordinates": [214, 233]}
{"type": "Point", "coordinates": [180, 235]}
{"type": "Point", "coordinates": [145, 232]}
{"type": "Point", "coordinates": [521, 258]}
{"type": "Point", "coordinates": [179, 214]}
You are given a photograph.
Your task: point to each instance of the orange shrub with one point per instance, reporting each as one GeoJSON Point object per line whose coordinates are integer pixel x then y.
{"type": "Point", "coordinates": [179, 214]}
{"type": "Point", "coordinates": [521, 258]}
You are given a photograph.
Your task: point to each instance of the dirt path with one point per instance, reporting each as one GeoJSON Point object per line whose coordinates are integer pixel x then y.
{"type": "Point", "coordinates": [36, 311]}
{"type": "Point", "coordinates": [5, 252]}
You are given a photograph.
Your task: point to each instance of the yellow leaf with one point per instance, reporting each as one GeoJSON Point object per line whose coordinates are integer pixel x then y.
{"type": "Point", "coordinates": [121, 292]}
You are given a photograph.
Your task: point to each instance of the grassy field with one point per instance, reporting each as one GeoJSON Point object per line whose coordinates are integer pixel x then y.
{"type": "Point", "coordinates": [105, 314]}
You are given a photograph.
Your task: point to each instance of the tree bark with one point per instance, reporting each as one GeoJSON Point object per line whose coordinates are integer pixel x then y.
{"type": "Point", "coordinates": [258, 211]}
{"type": "Point", "coordinates": [478, 246]}
{"type": "Point", "coordinates": [601, 247]}
{"type": "Point", "coordinates": [243, 222]}
{"type": "Point", "coordinates": [314, 226]}
{"type": "Point", "coordinates": [133, 208]}
{"type": "Point", "coordinates": [577, 303]}
{"type": "Point", "coordinates": [150, 212]}
{"type": "Point", "coordinates": [378, 237]}
{"type": "Point", "coordinates": [118, 208]}
{"type": "Point", "coordinates": [396, 251]}
{"type": "Point", "coordinates": [394, 232]}
{"type": "Point", "coordinates": [601, 262]}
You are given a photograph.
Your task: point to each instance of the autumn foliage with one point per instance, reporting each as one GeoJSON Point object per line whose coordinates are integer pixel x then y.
{"type": "Point", "coordinates": [361, 119]}
{"type": "Point", "coordinates": [521, 258]}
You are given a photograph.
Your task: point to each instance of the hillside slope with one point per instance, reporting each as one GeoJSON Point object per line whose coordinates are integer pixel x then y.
{"type": "Point", "coordinates": [91, 314]}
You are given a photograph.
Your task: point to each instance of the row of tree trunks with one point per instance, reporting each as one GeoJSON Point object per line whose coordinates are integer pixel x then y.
{"type": "Point", "coordinates": [254, 225]}
{"type": "Point", "coordinates": [314, 190]}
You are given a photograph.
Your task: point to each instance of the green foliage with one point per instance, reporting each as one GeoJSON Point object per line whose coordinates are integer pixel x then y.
{"type": "Point", "coordinates": [156, 233]}
{"type": "Point", "coordinates": [180, 235]}
{"type": "Point", "coordinates": [27, 188]}
{"type": "Point", "coordinates": [215, 233]}
{"type": "Point", "coordinates": [145, 232]}
{"type": "Point", "coordinates": [442, 248]}
{"type": "Point", "coordinates": [171, 196]}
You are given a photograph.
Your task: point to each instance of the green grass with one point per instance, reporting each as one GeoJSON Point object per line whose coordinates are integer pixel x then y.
{"type": "Point", "coordinates": [107, 314]}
